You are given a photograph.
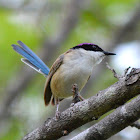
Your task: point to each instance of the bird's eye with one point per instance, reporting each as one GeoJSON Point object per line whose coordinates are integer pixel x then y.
{"type": "Point", "coordinates": [97, 48]}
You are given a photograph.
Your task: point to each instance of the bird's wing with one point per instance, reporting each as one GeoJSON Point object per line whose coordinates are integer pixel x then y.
{"type": "Point", "coordinates": [55, 66]}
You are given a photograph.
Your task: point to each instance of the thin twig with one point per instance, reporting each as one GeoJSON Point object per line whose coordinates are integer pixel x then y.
{"type": "Point", "coordinates": [113, 71]}
{"type": "Point", "coordinates": [75, 93]}
{"type": "Point", "coordinates": [126, 71]}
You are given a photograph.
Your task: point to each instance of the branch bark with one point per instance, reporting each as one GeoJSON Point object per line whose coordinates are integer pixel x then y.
{"type": "Point", "coordinates": [136, 124]}
{"type": "Point", "coordinates": [119, 93]}
{"type": "Point", "coordinates": [113, 123]}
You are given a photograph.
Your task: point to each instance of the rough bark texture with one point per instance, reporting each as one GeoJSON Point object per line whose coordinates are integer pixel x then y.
{"type": "Point", "coordinates": [113, 123]}
{"type": "Point", "coordinates": [136, 124]}
{"type": "Point", "coordinates": [126, 88]}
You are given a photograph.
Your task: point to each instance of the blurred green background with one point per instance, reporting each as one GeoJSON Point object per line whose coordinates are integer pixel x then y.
{"type": "Point", "coordinates": [50, 28]}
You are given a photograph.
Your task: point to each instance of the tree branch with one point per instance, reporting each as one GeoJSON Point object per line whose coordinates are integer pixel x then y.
{"type": "Point", "coordinates": [114, 72]}
{"type": "Point", "coordinates": [113, 123]}
{"type": "Point", "coordinates": [136, 124]}
{"type": "Point", "coordinates": [87, 110]}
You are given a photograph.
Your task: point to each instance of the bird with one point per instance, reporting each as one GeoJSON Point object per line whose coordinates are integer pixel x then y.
{"type": "Point", "coordinates": [75, 66]}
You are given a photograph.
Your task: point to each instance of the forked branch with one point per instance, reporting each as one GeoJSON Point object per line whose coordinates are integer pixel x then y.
{"type": "Point", "coordinates": [89, 109]}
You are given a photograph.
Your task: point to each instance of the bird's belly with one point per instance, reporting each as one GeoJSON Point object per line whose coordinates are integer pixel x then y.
{"type": "Point", "coordinates": [62, 81]}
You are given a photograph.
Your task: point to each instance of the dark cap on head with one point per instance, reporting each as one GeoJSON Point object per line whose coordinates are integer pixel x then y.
{"type": "Point", "coordinates": [92, 47]}
{"type": "Point", "coordinates": [88, 47]}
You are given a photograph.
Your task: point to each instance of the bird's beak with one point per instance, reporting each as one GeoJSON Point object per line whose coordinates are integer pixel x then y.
{"type": "Point", "coordinates": [109, 53]}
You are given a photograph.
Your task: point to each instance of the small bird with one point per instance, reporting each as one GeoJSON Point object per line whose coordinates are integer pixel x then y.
{"type": "Point", "coordinates": [72, 67]}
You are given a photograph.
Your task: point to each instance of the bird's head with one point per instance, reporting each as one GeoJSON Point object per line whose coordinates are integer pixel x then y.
{"type": "Point", "coordinates": [93, 50]}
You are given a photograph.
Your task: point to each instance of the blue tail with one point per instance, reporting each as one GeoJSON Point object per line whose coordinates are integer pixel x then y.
{"type": "Point", "coordinates": [30, 58]}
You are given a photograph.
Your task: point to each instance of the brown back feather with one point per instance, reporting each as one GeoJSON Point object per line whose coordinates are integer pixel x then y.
{"type": "Point", "coordinates": [47, 91]}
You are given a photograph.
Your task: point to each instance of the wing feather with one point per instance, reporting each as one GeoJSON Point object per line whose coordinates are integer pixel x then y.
{"type": "Point", "coordinates": [47, 90]}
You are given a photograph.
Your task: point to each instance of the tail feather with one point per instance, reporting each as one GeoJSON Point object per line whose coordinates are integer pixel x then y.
{"type": "Point", "coordinates": [27, 62]}
{"type": "Point", "coordinates": [31, 58]}
{"type": "Point", "coordinates": [31, 53]}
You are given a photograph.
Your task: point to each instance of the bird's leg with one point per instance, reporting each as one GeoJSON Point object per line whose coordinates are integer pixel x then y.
{"type": "Point", "coordinates": [57, 113]}
{"type": "Point", "coordinates": [76, 95]}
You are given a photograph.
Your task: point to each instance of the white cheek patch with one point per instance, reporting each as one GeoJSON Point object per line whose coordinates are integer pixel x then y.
{"type": "Point", "coordinates": [98, 56]}
{"type": "Point", "coordinates": [95, 57]}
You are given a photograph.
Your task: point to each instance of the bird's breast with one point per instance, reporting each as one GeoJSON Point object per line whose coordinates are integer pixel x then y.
{"type": "Point", "coordinates": [70, 72]}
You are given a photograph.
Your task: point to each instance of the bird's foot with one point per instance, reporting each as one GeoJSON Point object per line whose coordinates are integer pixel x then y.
{"type": "Point", "coordinates": [76, 95]}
